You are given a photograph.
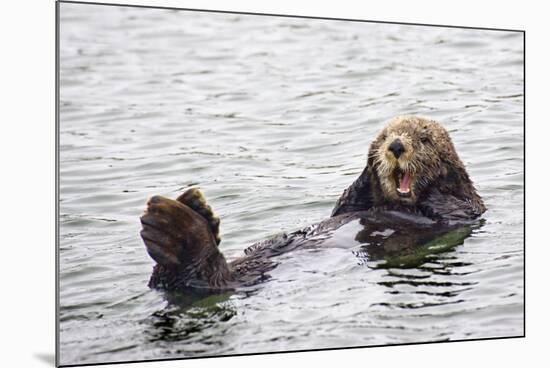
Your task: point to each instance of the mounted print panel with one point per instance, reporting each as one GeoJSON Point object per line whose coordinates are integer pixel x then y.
{"type": "Point", "coordinates": [242, 183]}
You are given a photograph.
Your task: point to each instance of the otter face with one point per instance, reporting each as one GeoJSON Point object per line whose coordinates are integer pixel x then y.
{"type": "Point", "coordinates": [405, 158]}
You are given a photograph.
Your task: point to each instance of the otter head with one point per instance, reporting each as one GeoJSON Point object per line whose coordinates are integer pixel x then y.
{"type": "Point", "coordinates": [406, 158]}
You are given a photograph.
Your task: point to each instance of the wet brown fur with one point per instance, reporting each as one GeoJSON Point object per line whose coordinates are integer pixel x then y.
{"type": "Point", "coordinates": [435, 166]}
{"type": "Point", "coordinates": [182, 235]}
{"type": "Point", "coordinates": [183, 244]}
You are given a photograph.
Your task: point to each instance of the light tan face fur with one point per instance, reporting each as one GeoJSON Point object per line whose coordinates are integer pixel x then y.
{"type": "Point", "coordinates": [420, 158]}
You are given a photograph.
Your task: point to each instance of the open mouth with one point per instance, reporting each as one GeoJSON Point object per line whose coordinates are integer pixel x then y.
{"type": "Point", "coordinates": [403, 181]}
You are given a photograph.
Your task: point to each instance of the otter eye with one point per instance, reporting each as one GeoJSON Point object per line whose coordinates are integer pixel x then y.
{"type": "Point", "coordinates": [424, 139]}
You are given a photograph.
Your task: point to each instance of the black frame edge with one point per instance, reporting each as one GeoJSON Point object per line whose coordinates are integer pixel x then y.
{"type": "Point", "coordinates": [56, 232]}
{"type": "Point", "coordinates": [290, 16]}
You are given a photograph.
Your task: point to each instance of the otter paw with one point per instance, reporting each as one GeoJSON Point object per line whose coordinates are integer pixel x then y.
{"type": "Point", "coordinates": [194, 199]}
{"type": "Point", "coordinates": [173, 233]}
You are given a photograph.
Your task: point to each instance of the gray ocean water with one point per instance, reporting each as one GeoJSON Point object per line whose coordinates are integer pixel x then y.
{"type": "Point", "coordinates": [272, 118]}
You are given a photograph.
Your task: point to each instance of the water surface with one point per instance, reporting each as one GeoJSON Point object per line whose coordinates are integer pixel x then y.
{"type": "Point", "coordinates": [272, 118]}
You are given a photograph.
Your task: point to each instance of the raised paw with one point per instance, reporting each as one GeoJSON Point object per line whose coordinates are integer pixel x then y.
{"type": "Point", "coordinates": [181, 241]}
{"type": "Point", "coordinates": [194, 199]}
{"type": "Point", "coordinates": [174, 234]}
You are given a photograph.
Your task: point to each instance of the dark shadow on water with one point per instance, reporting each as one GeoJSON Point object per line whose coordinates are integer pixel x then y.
{"type": "Point", "coordinates": [406, 247]}
{"type": "Point", "coordinates": [186, 316]}
{"type": "Point", "coordinates": [429, 250]}
{"type": "Point", "coordinates": [46, 358]}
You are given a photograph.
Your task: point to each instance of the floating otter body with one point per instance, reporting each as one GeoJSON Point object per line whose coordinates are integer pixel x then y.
{"type": "Point", "coordinates": [414, 184]}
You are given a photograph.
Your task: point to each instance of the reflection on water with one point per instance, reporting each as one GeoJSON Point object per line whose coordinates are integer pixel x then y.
{"type": "Point", "coordinates": [183, 319]}
{"type": "Point", "coordinates": [406, 249]}
{"type": "Point", "coordinates": [272, 118]}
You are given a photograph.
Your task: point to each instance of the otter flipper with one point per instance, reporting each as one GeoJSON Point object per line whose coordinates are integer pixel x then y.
{"type": "Point", "coordinates": [180, 240]}
{"type": "Point", "coordinates": [194, 199]}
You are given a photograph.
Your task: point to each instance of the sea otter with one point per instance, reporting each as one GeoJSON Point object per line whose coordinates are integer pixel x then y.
{"type": "Point", "coordinates": [414, 182]}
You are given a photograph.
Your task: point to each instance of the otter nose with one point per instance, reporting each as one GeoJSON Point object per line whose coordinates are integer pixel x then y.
{"type": "Point", "coordinates": [397, 148]}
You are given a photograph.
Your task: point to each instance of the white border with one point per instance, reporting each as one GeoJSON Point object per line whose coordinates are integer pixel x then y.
{"type": "Point", "coordinates": [27, 82]}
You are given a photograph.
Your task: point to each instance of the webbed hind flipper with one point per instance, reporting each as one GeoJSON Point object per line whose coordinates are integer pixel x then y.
{"type": "Point", "coordinates": [194, 199]}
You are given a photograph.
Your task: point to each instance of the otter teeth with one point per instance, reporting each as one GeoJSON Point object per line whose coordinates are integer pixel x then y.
{"type": "Point", "coordinates": [404, 184]}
